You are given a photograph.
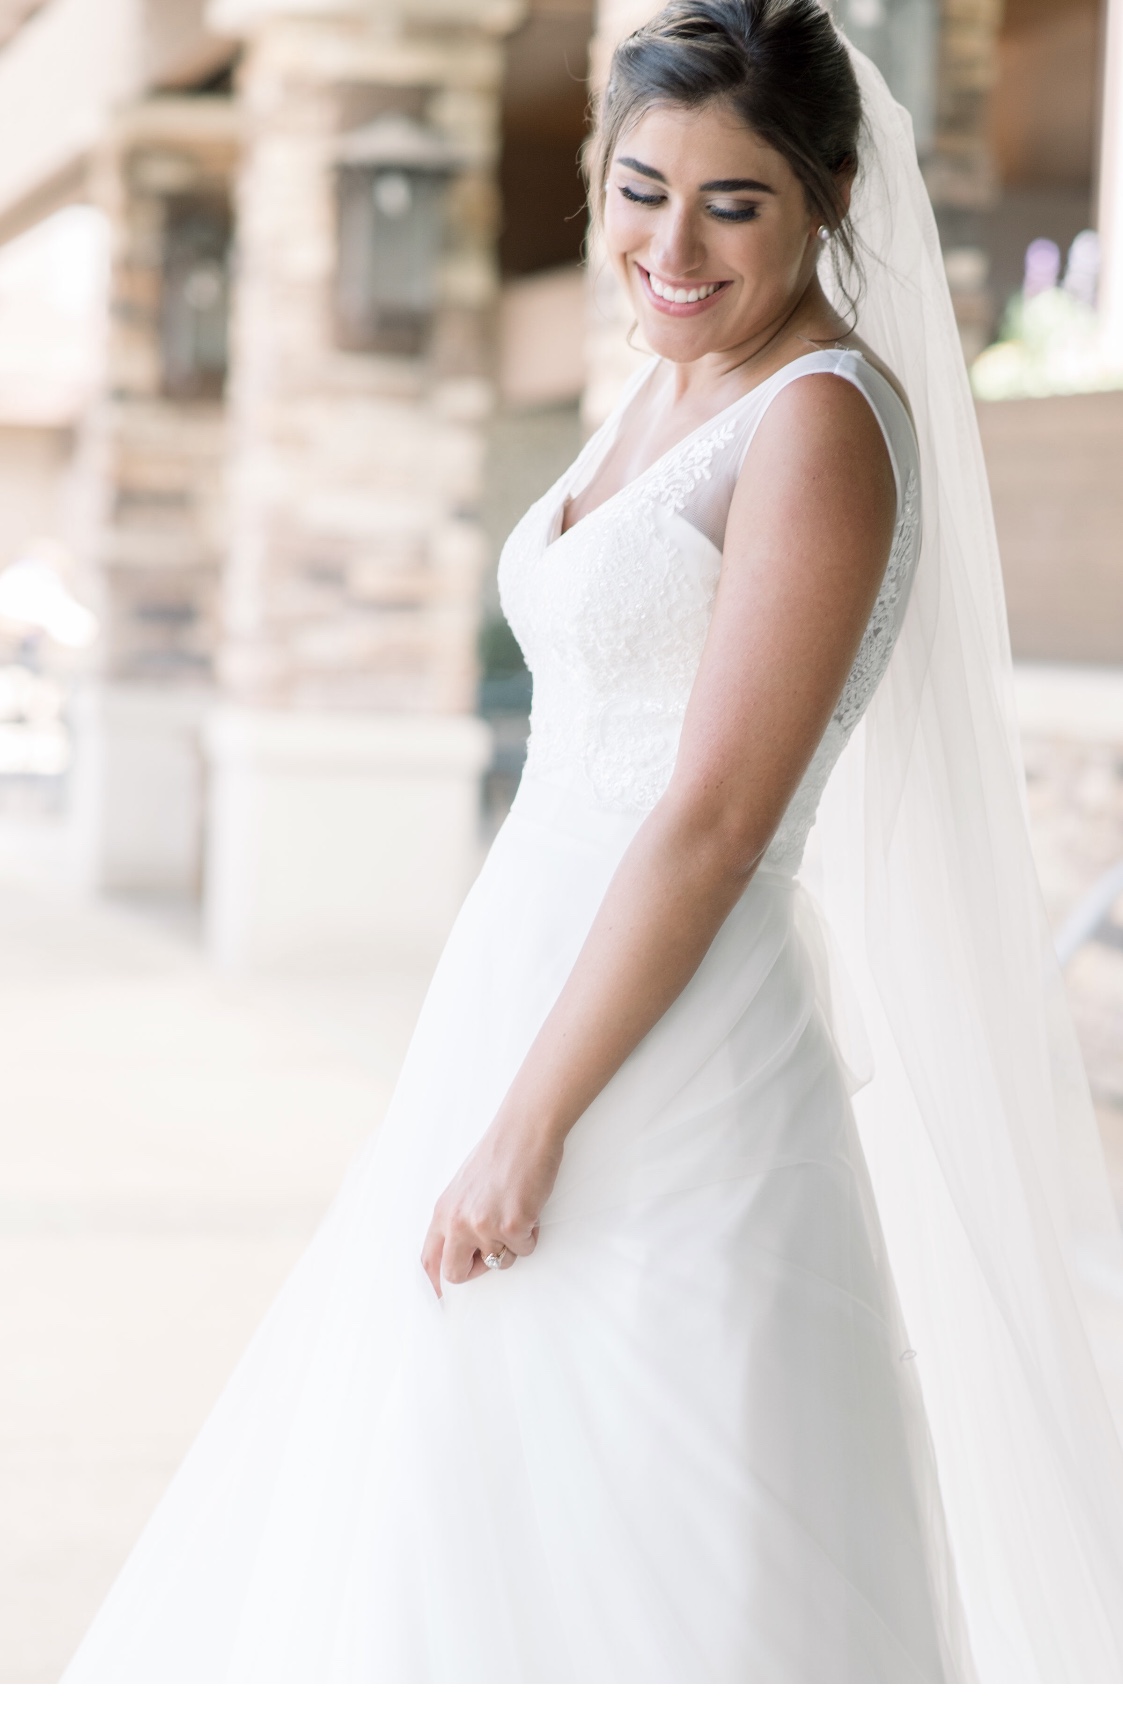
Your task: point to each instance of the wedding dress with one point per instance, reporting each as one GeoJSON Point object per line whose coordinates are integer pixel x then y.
{"type": "Point", "coordinates": [807, 1379]}
{"type": "Point", "coordinates": [682, 1441]}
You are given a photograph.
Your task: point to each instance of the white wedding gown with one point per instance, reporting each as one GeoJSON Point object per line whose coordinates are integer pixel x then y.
{"type": "Point", "coordinates": [684, 1441]}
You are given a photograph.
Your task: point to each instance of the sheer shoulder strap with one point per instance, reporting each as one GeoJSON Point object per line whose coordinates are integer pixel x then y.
{"type": "Point", "coordinates": [723, 445]}
{"type": "Point", "coordinates": [882, 397]}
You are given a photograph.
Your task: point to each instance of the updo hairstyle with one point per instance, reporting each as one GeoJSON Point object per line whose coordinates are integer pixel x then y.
{"type": "Point", "coordinates": [779, 64]}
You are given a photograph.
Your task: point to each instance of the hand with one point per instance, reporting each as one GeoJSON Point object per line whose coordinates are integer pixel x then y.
{"type": "Point", "coordinates": [494, 1202]}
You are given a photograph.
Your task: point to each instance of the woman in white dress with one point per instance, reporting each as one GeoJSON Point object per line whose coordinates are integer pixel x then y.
{"type": "Point", "coordinates": [649, 1409]}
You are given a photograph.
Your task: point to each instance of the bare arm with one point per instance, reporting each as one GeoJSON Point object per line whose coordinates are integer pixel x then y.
{"type": "Point", "coordinates": [806, 545]}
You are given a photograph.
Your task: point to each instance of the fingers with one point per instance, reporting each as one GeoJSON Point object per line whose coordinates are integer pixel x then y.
{"type": "Point", "coordinates": [431, 1254]}
{"type": "Point", "coordinates": [454, 1251]}
{"type": "Point", "coordinates": [521, 1241]}
{"type": "Point", "coordinates": [480, 1265]}
{"type": "Point", "coordinates": [462, 1247]}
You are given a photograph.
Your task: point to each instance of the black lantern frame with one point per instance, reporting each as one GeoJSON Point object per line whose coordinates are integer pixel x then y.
{"type": "Point", "coordinates": [391, 178]}
{"type": "Point", "coordinates": [195, 296]}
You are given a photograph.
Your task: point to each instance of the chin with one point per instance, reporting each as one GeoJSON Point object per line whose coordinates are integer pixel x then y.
{"type": "Point", "coordinates": [677, 342]}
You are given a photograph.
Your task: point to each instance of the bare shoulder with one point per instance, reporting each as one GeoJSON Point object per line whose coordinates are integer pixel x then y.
{"type": "Point", "coordinates": [817, 482]}
{"type": "Point", "coordinates": [818, 427]}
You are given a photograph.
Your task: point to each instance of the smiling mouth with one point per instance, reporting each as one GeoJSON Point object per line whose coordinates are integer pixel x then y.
{"type": "Point", "coordinates": [679, 297]}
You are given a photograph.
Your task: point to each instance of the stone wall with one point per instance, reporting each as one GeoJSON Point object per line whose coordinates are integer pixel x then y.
{"type": "Point", "coordinates": [960, 171]}
{"type": "Point", "coordinates": [356, 553]}
{"type": "Point", "coordinates": [156, 460]}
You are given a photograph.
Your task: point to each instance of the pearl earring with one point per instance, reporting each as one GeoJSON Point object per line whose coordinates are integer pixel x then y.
{"type": "Point", "coordinates": [823, 234]}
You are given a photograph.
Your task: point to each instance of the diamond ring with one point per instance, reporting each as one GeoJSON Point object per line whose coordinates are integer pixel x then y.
{"type": "Point", "coordinates": [495, 1260]}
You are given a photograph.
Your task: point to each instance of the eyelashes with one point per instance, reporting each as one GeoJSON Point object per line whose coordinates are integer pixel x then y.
{"type": "Point", "coordinates": [734, 216]}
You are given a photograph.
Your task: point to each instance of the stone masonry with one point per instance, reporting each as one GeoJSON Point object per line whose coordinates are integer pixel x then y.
{"type": "Point", "coordinates": [154, 458]}
{"type": "Point", "coordinates": [960, 171]}
{"type": "Point", "coordinates": [356, 552]}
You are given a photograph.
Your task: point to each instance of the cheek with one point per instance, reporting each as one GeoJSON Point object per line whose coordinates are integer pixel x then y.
{"type": "Point", "coordinates": [769, 256]}
{"type": "Point", "coordinates": [627, 226]}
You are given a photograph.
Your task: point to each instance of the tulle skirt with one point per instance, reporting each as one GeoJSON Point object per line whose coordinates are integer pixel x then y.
{"type": "Point", "coordinates": [682, 1442]}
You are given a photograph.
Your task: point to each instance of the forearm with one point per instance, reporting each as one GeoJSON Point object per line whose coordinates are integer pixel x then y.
{"type": "Point", "coordinates": [669, 896]}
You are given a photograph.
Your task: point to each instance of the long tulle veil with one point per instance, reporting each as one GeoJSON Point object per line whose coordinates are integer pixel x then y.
{"type": "Point", "coordinates": [977, 1121]}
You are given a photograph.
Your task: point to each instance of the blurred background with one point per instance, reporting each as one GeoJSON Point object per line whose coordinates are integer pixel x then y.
{"type": "Point", "coordinates": [294, 324]}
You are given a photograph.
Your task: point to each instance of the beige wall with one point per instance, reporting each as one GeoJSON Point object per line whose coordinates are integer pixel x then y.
{"type": "Point", "coordinates": [1054, 466]}
{"type": "Point", "coordinates": [1043, 108]}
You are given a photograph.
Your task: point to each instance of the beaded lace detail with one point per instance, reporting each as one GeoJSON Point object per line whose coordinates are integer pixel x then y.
{"type": "Point", "coordinates": [612, 617]}
{"type": "Point", "coordinates": [786, 849]}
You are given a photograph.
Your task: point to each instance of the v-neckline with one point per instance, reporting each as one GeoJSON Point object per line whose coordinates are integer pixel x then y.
{"type": "Point", "coordinates": [558, 513]}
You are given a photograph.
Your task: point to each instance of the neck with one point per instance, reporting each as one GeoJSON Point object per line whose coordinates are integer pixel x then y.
{"type": "Point", "coordinates": [808, 319]}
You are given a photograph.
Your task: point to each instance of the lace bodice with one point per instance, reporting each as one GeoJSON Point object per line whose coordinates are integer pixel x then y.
{"type": "Point", "coordinates": [612, 615]}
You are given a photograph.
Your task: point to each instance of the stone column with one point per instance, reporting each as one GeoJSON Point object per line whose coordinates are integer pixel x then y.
{"type": "Point", "coordinates": [151, 458]}
{"type": "Point", "coordinates": [960, 170]}
{"type": "Point", "coordinates": [347, 758]}
{"type": "Point", "coordinates": [1110, 215]}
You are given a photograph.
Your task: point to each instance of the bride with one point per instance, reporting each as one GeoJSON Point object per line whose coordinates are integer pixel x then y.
{"type": "Point", "coordinates": [766, 1320]}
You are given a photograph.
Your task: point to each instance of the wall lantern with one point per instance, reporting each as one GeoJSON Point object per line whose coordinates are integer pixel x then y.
{"type": "Point", "coordinates": [391, 178]}
{"type": "Point", "coordinates": [194, 297]}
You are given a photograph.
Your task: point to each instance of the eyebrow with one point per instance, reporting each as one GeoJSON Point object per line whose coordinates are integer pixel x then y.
{"type": "Point", "coordinates": [711, 184]}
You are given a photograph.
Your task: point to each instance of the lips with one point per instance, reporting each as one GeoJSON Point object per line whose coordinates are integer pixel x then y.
{"type": "Point", "coordinates": [680, 299]}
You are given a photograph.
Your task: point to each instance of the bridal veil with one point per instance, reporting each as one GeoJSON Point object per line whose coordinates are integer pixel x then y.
{"type": "Point", "coordinates": [976, 1121]}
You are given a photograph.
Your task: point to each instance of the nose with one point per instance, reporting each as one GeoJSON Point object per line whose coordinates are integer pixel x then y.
{"type": "Point", "coordinates": [677, 248]}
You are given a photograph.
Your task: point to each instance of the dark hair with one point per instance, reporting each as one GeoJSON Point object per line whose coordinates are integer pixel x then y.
{"type": "Point", "coordinates": [782, 67]}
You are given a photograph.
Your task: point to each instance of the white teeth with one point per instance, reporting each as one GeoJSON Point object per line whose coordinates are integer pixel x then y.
{"type": "Point", "coordinates": [679, 294]}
